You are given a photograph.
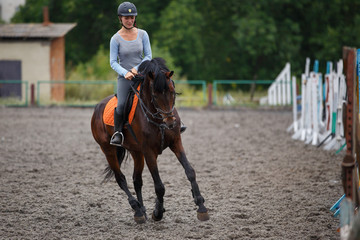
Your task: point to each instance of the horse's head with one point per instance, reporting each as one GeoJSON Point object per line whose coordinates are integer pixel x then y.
{"type": "Point", "coordinates": [162, 90]}
{"type": "Point", "coordinates": [159, 90]}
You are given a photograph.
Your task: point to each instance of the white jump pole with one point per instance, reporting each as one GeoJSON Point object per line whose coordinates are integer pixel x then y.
{"type": "Point", "coordinates": [339, 121]}
{"type": "Point", "coordinates": [320, 103]}
{"type": "Point", "coordinates": [279, 93]}
{"type": "Point", "coordinates": [270, 101]}
{"type": "Point", "coordinates": [314, 106]}
{"type": "Point", "coordinates": [288, 85]}
{"type": "Point", "coordinates": [307, 67]}
{"type": "Point", "coordinates": [308, 111]}
{"type": "Point", "coordinates": [283, 83]}
{"type": "Point", "coordinates": [302, 119]}
{"type": "Point", "coordinates": [301, 131]}
{"type": "Point", "coordinates": [295, 124]}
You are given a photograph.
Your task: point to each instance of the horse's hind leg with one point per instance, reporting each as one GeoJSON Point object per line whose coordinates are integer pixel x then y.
{"type": "Point", "coordinates": [202, 213]}
{"type": "Point", "coordinates": [121, 180]}
{"type": "Point", "coordinates": [137, 177]}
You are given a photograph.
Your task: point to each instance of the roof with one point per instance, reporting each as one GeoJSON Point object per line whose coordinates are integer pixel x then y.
{"type": "Point", "coordinates": [35, 30]}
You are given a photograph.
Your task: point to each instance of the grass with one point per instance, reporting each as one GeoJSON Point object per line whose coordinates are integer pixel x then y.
{"type": "Point", "coordinates": [12, 101]}
{"type": "Point", "coordinates": [239, 98]}
{"type": "Point", "coordinates": [190, 96]}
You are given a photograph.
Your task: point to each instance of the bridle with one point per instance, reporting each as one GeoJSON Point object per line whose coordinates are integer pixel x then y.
{"type": "Point", "coordinates": [160, 114]}
{"type": "Point", "coordinates": [159, 111]}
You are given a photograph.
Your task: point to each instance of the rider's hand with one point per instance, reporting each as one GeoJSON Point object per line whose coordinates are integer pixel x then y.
{"type": "Point", "coordinates": [134, 71]}
{"type": "Point", "coordinates": [129, 75]}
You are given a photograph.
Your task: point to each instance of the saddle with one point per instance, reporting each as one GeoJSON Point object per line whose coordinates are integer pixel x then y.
{"type": "Point", "coordinates": [130, 106]}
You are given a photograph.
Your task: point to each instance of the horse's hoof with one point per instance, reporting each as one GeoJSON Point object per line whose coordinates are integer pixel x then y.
{"type": "Point", "coordinates": [140, 220]}
{"type": "Point", "coordinates": [203, 216]}
{"type": "Point", "coordinates": [156, 218]}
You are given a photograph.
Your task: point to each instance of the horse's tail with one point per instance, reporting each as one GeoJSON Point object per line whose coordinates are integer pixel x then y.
{"type": "Point", "coordinates": [109, 174]}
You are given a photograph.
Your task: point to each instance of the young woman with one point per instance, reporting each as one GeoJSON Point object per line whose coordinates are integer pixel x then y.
{"type": "Point", "coordinates": [129, 47]}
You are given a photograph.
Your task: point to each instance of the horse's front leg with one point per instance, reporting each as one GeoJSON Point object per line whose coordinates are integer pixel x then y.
{"type": "Point", "coordinates": [202, 213]}
{"type": "Point", "coordinates": [137, 177]}
{"type": "Point", "coordinates": [159, 186]}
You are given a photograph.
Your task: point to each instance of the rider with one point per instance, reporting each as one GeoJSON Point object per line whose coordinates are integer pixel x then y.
{"type": "Point", "coordinates": [129, 47]}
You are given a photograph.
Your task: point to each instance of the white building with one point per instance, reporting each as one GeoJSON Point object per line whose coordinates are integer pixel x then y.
{"type": "Point", "coordinates": [33, 52]}
{"type": "Point", "coordinates": [8, 8]}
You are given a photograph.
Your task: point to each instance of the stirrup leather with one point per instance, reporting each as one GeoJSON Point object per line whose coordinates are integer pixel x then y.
{"type": "Point", "coordinates": [113, 136]}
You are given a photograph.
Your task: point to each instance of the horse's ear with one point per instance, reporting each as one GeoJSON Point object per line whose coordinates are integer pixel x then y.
{"type": "Point", "coordinates": [169, 74]}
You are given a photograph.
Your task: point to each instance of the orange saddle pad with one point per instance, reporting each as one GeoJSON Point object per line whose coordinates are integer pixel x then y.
{"type": "Point", "coordinates": [108, 116]}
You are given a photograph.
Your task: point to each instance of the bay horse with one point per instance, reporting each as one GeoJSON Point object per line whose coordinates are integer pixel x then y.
{"type": "Point", "coordinates": [156, 126]}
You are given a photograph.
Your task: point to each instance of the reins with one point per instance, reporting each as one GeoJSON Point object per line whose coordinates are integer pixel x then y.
{"type": "Point", "coordinates": [162, 126]}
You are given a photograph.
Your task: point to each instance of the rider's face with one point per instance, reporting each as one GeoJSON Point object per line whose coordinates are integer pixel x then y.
{"type": "Point", "coordinates": [128, 21]}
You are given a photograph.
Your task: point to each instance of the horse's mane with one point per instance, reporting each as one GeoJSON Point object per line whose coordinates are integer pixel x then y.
{"type": "Point", "coordinates": [157, 67]}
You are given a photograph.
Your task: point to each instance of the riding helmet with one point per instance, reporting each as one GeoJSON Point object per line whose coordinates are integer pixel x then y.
{"type": "Point", "coordinates": [127, 9]}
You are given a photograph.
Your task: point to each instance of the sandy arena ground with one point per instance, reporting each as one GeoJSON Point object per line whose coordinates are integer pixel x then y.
{"type": "Point", "coordinates": [258, 183]}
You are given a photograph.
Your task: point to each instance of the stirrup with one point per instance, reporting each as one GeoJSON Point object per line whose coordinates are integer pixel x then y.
{"type": "Point", "coordinates": [115, 143]}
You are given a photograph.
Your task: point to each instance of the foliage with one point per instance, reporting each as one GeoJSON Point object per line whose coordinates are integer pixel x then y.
{"type": "Point", "coordinates": [264, 40]}
{"type": "Point", "coordinates": [186, 45]}
{"type": "Point", "coordinates": [202, 39]}
{"type": "Point", "coordinates": [170, 63]}
{"type": "Point", "coordinates": [88, 93]}
{"type": "Point", "coordinates": [97, 68]}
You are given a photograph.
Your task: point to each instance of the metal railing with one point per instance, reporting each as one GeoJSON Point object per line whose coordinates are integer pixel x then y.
{"type": "Point", "coordinates": [88, 93]}
{"type": "Point", "coordinates": [192, 97]}
{"type": "Point", "coordinates": [200, 100]}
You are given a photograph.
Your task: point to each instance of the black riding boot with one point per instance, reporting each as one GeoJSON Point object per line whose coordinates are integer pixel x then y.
{"type": "Point", "coordinates": [117, 138]}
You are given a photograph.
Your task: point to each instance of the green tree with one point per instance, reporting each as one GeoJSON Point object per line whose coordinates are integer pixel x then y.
{"type": "Point", "coordinates": [266, 41]}
{"type": "Point", "coordinates": [180, 33]}
{"type": "Point", "coordinates": [232, 39]}
{"type": "Point", "coordinates": [149, 13]}
{"type": "Point", "coordinates": [219, 61]}
{"type": "Point", "coordinates": [255, 35]}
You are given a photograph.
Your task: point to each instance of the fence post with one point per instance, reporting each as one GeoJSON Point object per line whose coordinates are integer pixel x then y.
{"type": "Point", "coordinates": [210, 102]}
{"type": "Point", "coordinates": [252, 91]}
{"type": "Point", "coordinates": [32, 94]}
